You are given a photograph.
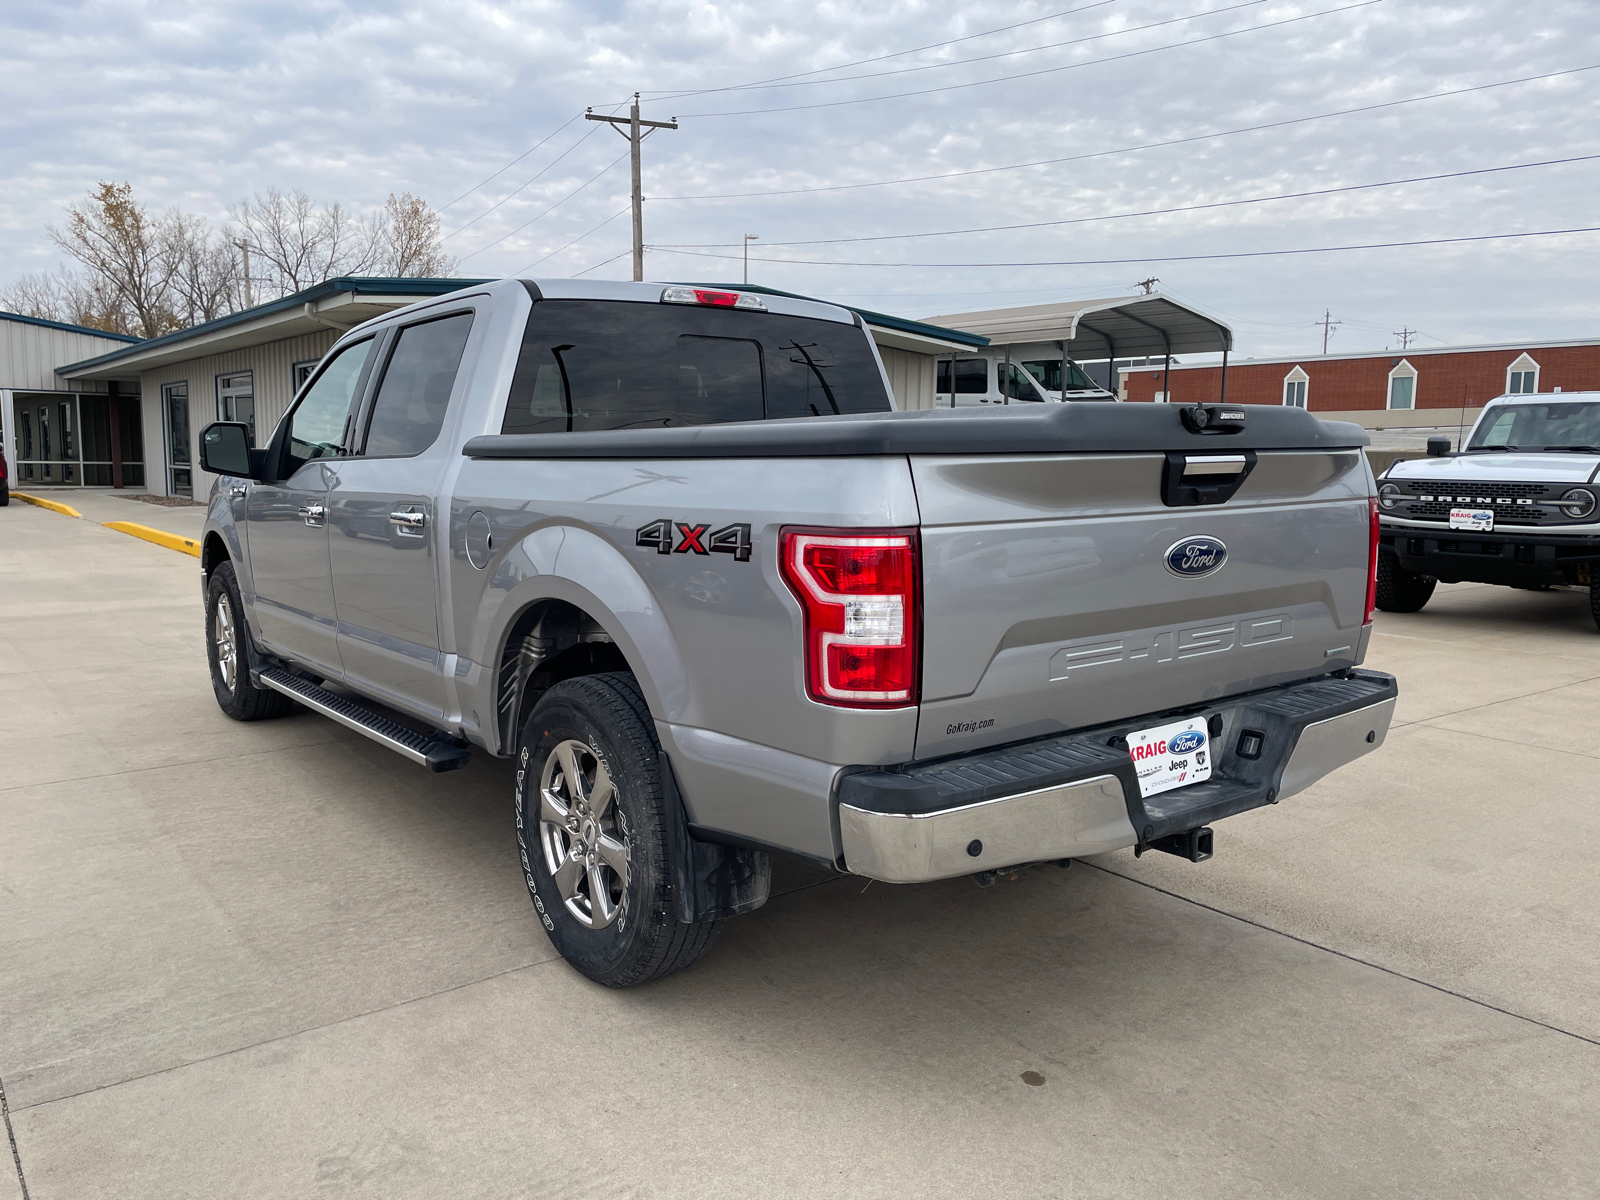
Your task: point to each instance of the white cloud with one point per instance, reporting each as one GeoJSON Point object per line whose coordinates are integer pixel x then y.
{"type": "Point", "coordinates": [202, 104]}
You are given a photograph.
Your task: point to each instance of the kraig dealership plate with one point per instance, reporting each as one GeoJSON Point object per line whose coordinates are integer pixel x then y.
{"type": "Point", "coordinates": [1171, 756]}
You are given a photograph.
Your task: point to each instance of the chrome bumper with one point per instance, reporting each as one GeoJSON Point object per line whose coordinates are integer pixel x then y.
{"type": "Point", "coordinates": [894, 834]}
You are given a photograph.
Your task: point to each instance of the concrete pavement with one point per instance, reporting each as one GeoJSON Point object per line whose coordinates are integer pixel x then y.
{"type": "Point", "coordinates": [272, 959]}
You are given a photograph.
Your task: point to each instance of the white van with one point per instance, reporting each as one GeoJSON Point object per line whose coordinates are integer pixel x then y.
{"type": "Point", "coordinates": [982, 379]}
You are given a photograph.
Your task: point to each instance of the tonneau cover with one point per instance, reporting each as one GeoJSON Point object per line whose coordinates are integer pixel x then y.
{"type": "Point", "coordinates": [1045, 429]}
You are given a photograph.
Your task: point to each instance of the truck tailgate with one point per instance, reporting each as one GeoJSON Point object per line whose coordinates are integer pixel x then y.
{"type": "Point", "coordinates": [1049, 602]}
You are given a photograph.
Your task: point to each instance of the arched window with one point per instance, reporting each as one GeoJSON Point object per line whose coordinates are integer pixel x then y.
{"type": "Point", "coordinates": [1403, 386]}
{"type": "Point", "coordinates": [1522, 377]}
{"type": "Point", "coordinates": [1294, 388]}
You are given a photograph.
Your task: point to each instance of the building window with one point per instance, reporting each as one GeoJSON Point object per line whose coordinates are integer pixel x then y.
{"type": "Point", "coordinates": [1294, 388]}
{"type": "Point", "coordinates": [236, 400]}
{"type": "Point", "coordinates": [180, 463]}
{"type": "Point", "coordinates": [1522, 377]}
{"type": "Point", "coordinates": [301, 371]}
{"type": "Point", "coordinates": [1403, 386]}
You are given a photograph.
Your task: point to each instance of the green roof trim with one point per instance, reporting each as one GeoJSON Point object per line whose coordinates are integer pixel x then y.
{"type": "Point", "coordinates": [359, 285]}
{"type": "Point", "coordinates": [66, 328]}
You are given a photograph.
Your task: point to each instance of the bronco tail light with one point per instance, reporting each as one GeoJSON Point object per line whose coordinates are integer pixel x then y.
{"type": "Point", "coordinates": [1372, 561]}
{"type": "Point", "coordinates": [713, 298]}
{"type": "Point", "coordinates": [859, 592]}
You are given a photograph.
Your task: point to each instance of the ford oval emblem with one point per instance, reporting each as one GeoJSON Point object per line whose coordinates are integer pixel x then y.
{"type": "Point", "coordinates": [1196, 556]}
{"type": "Point", "coordinates": [1189, 739]}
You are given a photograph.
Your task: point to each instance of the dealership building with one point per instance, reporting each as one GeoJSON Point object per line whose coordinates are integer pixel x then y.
{"type": "Point", "coordinates": [1433, 387]}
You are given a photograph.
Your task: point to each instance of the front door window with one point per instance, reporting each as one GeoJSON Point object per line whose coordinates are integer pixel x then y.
{"type": "Point", "coordinates": [180, 464]}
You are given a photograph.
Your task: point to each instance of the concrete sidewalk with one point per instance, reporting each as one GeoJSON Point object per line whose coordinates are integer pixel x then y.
{"type": "Point", "coordinates": [275, 960]}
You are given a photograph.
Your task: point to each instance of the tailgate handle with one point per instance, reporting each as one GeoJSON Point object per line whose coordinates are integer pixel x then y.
{"type": "Point", "coordinates": [1212, 464]}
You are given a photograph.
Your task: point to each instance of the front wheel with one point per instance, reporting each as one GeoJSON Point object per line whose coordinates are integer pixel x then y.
{"type": "Point", "coordinates": [592, 831]}
{"type": "Point", "coordinates": [1400, 590]}
{"type": "Point", "coordinates": [226, 651]}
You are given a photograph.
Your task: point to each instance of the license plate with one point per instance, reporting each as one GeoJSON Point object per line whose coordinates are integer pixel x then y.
{"type": "Point", "coordinates": [1171, 756]}
{"type": "Point", "coordinates": [1478, 520]}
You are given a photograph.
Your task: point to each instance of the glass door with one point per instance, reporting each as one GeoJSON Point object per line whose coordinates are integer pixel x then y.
{"type": "Point", "coordinates": [236, 400]}
{"type": "Point", "coordinates": [180, 464]}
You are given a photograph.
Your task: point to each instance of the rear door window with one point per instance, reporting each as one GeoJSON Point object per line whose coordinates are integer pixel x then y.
{"type": "Point", "coordinates": [589, 365]}
{"type": "Point", "coordinates": [972, 377]}
{"type": "Point", "coordinates": [412, 400]}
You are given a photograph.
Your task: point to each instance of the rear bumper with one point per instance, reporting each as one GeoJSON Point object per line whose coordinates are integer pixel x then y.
{"type": "Point", "coordinates": [1504, 556]}
{"type": "Point", "coordinates": [1075, 795]}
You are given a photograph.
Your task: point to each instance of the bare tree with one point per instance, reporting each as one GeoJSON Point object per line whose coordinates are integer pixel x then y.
{"type": "Point", "coordinates": [300, 245]}
{"type": "Point", "coordinates": [115, 238]}
{"type": "Point", "coordinates": [410, 239]}
{"type": "Point", "coordinates": [64, 296]}
{"type": "Point", "coordinates": [207, 278]}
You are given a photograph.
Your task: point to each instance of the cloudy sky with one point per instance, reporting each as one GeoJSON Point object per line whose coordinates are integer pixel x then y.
{"type": "Point", "coordinates": [833, 129]}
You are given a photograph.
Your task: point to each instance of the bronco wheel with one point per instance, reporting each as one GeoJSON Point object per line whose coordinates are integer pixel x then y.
{"type": "Point", "coordinates": [592, 832]}
{"type": "Point", "coordinates": [1594, 599]}
{"type": "Point", "coordinates": [226, 635]}
{"type": "Point", "coordinates": [1400, 590]}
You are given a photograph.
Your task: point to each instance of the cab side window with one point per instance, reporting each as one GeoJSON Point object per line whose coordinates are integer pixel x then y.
{"type": "Point", "coordinates": [1020, 386]}
{"type": "Point", "coordinates": [317, 425]}
{"type": "Point", "coordinates": [410, 406]}
{"type": "Point", "coordinates": [972, 377]}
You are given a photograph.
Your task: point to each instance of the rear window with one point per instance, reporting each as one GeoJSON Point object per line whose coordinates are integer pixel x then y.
{"type": "Point", "coordinates": [619, 365]}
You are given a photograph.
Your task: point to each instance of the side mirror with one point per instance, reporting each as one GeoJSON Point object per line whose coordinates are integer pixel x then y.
{"type": "Point", "coordinates": [1438, 447]}
{"type": "Point", "coordinates": [225, 449]}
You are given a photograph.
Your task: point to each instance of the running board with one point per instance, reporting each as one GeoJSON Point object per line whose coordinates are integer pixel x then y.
{"type": "Point", "coordinates": [435, 753]}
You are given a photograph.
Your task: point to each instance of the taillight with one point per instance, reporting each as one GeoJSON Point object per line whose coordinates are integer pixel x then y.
{"type": "Point", "coordinates": [713, 298]}
{"type": "Point", "coordinates": [859, 592]}
{"type": "Point", "coordinates": [1372, 561]}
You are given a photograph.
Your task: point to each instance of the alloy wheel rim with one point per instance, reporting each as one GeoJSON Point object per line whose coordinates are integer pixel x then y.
{"type": "Point", "coordinates": [227, 644]}
{"type": "Point", "coordinates": [579, 836]}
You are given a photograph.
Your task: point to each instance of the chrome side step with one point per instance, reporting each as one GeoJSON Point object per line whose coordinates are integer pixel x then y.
{"type": "Point", "coordinates": [434, 753]}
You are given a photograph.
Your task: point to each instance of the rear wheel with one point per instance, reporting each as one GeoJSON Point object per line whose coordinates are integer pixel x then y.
{"type": "Point", "coordinates": [1400, 590]}
{"type": "Point", "coordinates": [226, 638]}
{"type": "Point", "coordinates": [1594, 600]}
{"type": "Point", "coordinates": [592, 830]}
{"type": "Point", "coordinates": [5, 493]}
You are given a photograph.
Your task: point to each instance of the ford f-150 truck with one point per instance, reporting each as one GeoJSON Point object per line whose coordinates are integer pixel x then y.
{"type": "Point", "coordinates": [673, 550]}
{"type": "Point", "coordinates": [1516, 506]}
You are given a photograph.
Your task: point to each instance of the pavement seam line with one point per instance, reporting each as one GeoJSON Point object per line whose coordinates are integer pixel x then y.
{"type": "Point", "coordinates": [196, 762]}
{"type": "Point", "coordinates": [11, 1136]}
{"type": "Point", "coordinates": [1554, 687]}
{"type": "Point", "coordinates": [1222, 912]}
{"type": "Point", "coordinates": [293, 1033]}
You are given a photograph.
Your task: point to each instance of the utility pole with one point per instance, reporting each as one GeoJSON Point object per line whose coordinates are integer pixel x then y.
{"type": "Point", "coordinates": [1328, 325]}
{"type": "Point", "coordinates": [748, 238]}
{"type": "Point", "coordinates": [637, 131]}
{"type": "Point", "coordinates": [244, 246]}
{"type": "Point", "coordinates": [1148, 284]}
{"type": "Point", "coordinates": [1405, 336]}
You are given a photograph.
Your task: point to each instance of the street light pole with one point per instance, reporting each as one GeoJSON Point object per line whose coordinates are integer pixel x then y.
{"type": "Point", "coordinates": [748, 238]}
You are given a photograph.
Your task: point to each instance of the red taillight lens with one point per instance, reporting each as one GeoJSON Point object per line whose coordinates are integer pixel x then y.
{"type": "Point", "coordinates": [859, 592]}
{"type": "Point", "coordinates": [719, 299]}
{"type": "Point", "coordinates": [1372, 562]}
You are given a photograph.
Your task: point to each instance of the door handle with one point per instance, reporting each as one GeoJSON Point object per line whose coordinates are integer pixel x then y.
{"type": "Point", "coordinates": [238, 491]}
{"type": "Point", "coordinates": [409, 522]}
{"type": "Point", "coordinates": [315, 515]}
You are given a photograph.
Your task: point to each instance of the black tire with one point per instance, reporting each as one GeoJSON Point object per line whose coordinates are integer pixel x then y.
{"type": "Point", "coordinates": [1594, 599]}
{"type": "Point", "coordinates": [618, 931]}
{"type": "Point", "coordinates": [1400, 590]}
{"type": "Point", "coordinates": [226, 632]}
{"type": "Point", "coordinates": [5, 494]}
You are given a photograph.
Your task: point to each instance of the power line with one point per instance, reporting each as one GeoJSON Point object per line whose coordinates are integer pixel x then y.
{"type": "Point", "coordinates": [514, 161]}
{"type": "Point", "coordinates": [962, 62]}
{"type": "Point", "coordinates": [602, 263]}
{"type": "Point", "coordinates": [1154, 212]}
{"type": "Point", "coordinates": [1108, 262]}
{"type": "Point", "coordinates": [682, 94]}
{"type": "Point", "coordinates": [518, 188]}
{"type": "Point", "coordinates": [573, 242]}
{"type": "Point", "coordinates": [1198, 137]}
{"type": "Point", "coordinates": [552, 208]}
{"type": "Point", "coordinates": [1012, 78]}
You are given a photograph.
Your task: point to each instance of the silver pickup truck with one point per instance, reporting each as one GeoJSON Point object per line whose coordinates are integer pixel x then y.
{"type": "Point", "coordinates": [673, 550]}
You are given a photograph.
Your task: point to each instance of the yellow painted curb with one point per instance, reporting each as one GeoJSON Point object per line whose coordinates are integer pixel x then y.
{"type": "Point", "coordinates": [160, 537]}
{"type": "Point", "coordinates": [65, 510]}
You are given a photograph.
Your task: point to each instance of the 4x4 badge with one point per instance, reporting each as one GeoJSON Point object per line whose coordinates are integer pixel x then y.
{"type": "Point", "coordinates": [692, 538]}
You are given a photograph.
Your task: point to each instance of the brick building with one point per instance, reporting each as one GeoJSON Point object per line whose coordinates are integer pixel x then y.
{"type": "Point", "coordinates": [1411, 387]}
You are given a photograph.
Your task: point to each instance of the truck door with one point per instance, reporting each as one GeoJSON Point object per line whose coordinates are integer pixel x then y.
{"type": "Point", "coordinates": [286, 527]}
{"type": "Point", "coordinates": [385, 545]}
